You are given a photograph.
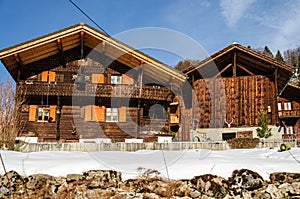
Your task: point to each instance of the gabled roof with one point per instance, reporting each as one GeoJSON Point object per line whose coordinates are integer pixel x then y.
{"type": "Point", "coordinates": [252, 61]}
{"type": "Point", "coordinates": [55, 43]}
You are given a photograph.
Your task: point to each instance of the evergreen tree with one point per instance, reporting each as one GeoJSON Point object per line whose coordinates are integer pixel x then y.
{"type": "Point", "coordinates": [263, 131]}
{"type": "Point", "coordinates": [279, 57]}
{"type": "Point", "coordinates": [268, 52]}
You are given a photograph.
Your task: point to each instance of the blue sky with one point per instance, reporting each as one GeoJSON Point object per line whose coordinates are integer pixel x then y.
{"type": "Point", "coordinates": [213, 24]}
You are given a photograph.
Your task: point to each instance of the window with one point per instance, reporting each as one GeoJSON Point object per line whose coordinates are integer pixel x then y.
{"type": "Point", "coordinates": [287, 106]}
{"type": "Point", "coordinates": [43, 114]}
{"type": "Point", "coordinates": [116, 79]}
{"type": "Point", "coordinates": [111, 114]}
{"type": "Point", "coordinates": [279, 106]}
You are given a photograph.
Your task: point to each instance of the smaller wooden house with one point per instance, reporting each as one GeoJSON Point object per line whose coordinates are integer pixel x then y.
{"type": "Point", "coordinates": [232, 86]}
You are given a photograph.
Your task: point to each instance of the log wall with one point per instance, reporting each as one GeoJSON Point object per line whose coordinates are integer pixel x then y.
{"type": "Point", "coordinates": [234, 100]}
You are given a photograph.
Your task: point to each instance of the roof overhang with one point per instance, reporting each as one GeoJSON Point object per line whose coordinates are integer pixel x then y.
{"type": "Point", "coordinates": [72, 37]}
{"type": "Point", "coordinates": [251, 60]}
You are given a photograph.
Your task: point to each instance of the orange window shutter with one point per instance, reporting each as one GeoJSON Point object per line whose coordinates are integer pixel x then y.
{"type": "Point", "coordinates": [51, 76]}
{"type": "Point", "coordinates": [88, 113]}
{"type": "Point", "coordinates": [52, 113]}
{"type": "Point", "coordinates": [122, 114]}
{"type": "Point", "coordinates": [101, 79]}
{"type": "Point", "coordinates": [32, 113]}
{"type": "Point", "coordinates": [95, 78]}
{"type": "Point", "coordinates": [100, 113]}
{"type": "Point", "coordinates": [127, 79]}
{"type": "Point", "coordinates": [44, 76]}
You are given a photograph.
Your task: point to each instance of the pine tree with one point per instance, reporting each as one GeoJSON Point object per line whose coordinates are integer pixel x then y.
{"type": "Point", "coordinates": [268, 52]}
{"type": "Point", "coordinates": [279, 57]}
{"type": "Point", "coordinates": [263, 131]}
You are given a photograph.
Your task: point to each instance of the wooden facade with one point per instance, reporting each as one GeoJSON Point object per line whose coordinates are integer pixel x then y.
{"type": "Point", "coordinates": [83, 84]}
{"type": "Point", "coordinates": [233, 85]}
{"type": "Point", "coordinates": [289, 112]}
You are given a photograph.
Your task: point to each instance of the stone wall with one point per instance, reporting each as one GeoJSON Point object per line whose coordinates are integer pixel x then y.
{"type": "Point", "coordinates": [108, 184]}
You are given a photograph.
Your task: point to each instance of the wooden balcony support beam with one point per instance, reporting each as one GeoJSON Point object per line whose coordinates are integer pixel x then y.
{"type": "Point", "coordinates": [245, 69]}
{"type": "Point", "coordinates": [223, 70]}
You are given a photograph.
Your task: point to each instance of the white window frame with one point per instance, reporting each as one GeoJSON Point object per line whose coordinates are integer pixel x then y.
{"type": "Point", "coordinates": [43, 114]}
{"type": "Point", "coordinates": [279, 105]}
{"type": "Point", "coordinates": [287, 106]}
{"type": "Point", "coordinates": [116, 79]}
{"type": "Point", "coordinates": [112, 114]}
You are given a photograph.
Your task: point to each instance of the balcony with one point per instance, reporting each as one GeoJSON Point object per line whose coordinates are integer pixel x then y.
{"type": "Point", "coordinates": [97, 90]}
{"type": "Point", "coordinates": [289, 114]}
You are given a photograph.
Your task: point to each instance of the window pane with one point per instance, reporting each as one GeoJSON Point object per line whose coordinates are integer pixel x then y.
{"type": "Point", "coordinates": [279, 106]}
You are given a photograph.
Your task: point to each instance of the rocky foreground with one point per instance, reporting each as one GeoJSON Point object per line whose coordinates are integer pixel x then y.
{"type": "Point", "coordinates": [108, 184]}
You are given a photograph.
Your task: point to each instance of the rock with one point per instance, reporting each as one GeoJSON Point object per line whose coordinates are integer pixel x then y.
{"type": "Point", "coordinates": [4, 191]}
{"type": "Point", "coordinates": [278, 178]}
{"type": "Point", "coordinates": [102, 178]}
{"type": "Point", "coordinates": [288, 189]}
{"type": "Point", "coordinates": [245, 179]}
{"type": "Point", "coordinates": [211, 185]}
{"type": "Point", "coordinates": [274, 191]}
{"type": "Point", "coordinates": [75, 177]}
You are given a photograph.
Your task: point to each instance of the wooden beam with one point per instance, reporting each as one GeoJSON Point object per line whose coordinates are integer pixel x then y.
{"type": "Point", "coordinates": [245, 69]}
{"type": "Point", "coordinates": [60, 47]}
{"type": "Point", "coordinates": [18, 59]}
{"type": "Point", "coordinates": [19, 65]}
{"type": "Point", "coordinates": [224, 69]}
{"type": "Point", "coordinates": [81, 43]}
{"type": "Point", "coordinates": [234, 64]}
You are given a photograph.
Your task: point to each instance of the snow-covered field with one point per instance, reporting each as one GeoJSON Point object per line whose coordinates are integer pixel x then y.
{"type": "Point", "coordinates": [180, 164]}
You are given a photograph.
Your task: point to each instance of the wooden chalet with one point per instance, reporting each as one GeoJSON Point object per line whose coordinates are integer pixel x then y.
{"type": "Point", "coordinates": [230, 88]}
{"type": "Point", "coordinates": [289, 111]}
{"type": "Point", "coordinates": [80, 83]}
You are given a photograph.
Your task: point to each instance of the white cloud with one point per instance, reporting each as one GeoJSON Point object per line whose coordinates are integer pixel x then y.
{"type": "Point", "coordinates": [233, 10]}
{"type": "Point", "coordinates": [284, 22]}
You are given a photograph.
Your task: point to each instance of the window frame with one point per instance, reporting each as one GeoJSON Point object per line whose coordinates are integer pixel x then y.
{"type": "Point", "coordinates": [45, 113]}
{"type": "Point", "coordinates": [112, 115]}
{"type": "Point", "coordinates": [116, 79]}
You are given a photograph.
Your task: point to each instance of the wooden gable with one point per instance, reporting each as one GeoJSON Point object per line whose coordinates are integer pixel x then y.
{"type": "Point", "coordinates": [237, 60]}
{"type": "Point", "coordinates": [56, 45]}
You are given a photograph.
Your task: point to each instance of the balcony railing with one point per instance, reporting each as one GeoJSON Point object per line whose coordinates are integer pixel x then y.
{"type": "Point", "coordinates": [97, 90]}
{"type": "Point", "coordinates": [289, 113]}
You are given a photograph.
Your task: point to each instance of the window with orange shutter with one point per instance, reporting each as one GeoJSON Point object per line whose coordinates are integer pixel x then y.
{"type": "Point", "coordinates": [32, 113]}
{"type": "Point", "coordinates": [51, 76]}
{"type": "Point", "coordinates": [88, 113]}
{"type": "Point", "coordinates": [52, 116]}
{"type": "Point", "coordinates": [122, 114]}
{"type": "Point", "coordinates": [45, 76]}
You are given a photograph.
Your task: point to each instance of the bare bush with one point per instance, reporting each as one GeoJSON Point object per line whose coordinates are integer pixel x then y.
{"type": "Point", "coordinates": [11, 124]}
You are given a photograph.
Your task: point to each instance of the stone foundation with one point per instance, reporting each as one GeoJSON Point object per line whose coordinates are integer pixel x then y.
{"type": "Point", "coordinates": [108, 184]}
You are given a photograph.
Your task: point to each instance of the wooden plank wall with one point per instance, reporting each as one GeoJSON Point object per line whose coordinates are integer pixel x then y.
{"type": "Point", "coordinates": [238, 99]}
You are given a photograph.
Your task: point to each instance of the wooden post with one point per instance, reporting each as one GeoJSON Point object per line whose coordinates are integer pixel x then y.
{"type": "Point", "coordinates": [234, 64]}
{"type": "Point", "coordinates": [139, 100]}
{"type": "Point", "coordinates": [58, 113]}
{"type": "Point", "coordinates": [275, 104]}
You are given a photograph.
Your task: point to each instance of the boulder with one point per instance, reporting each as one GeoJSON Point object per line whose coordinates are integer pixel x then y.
{"type": "Point", "coordinates": [245, 179]}
{"type": "Point", "coordinates": [211, 185]}
{"type": "Point", "coordinates": [102, 178]}
{"type": "Point", "coordinates": [278, 178]}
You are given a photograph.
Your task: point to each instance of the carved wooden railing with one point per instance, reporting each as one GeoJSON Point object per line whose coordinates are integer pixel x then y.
{"type": "Point", "coordinates": [289, 113]}
{"type": "Point", "coordinates": [96, 90]}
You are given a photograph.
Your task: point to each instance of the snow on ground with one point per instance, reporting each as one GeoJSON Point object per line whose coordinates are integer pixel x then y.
{"type": "Point", "coordinates": [180, 164]}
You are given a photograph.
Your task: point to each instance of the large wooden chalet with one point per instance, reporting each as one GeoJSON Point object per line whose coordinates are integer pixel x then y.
{"type": "Point", "coordinates": [80, 83]}
{"type": "Point", "coordinates": [231, 86]}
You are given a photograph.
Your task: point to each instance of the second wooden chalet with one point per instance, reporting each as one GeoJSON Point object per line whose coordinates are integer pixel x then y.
{"type": "Point", "coordinates": [81, 84]}
{"type": "Point", "coordinates": [231, 87]}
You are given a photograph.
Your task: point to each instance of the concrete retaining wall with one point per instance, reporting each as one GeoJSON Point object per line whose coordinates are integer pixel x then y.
{"type": "Point", "coordinates": [88, 147]}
